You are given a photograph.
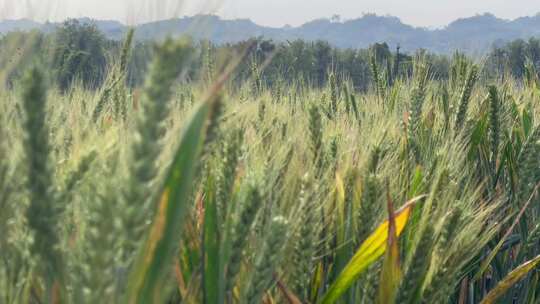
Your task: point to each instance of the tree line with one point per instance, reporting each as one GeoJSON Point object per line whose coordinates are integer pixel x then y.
{"type": "Point", "coordinates": [79, 52]}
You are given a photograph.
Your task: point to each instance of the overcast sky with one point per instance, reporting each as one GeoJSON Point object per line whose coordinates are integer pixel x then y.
{"type": "Point", "coordinates": [427, 13]}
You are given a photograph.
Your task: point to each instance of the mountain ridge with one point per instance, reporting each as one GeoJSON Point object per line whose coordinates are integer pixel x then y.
{"type": "Point", "coordinates": [474, 34]}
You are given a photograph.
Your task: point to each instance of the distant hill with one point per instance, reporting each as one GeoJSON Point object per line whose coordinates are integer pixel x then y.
{"type": "Point", "coordinates": [473, 35]}
{"type": "Point", "coordinates": [18, 25]}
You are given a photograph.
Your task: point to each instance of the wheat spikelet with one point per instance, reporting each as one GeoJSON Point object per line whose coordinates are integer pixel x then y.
{"type": "Point", "coordinates": [42, 214]}
{"type": "Point", "coordinates": [464, 99]}
{"type": "Point", "coordinates": [267, 261]}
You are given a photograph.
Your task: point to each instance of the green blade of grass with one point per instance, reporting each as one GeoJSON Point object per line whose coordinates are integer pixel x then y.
{"type": "Point", "coordinates": [156, 254]}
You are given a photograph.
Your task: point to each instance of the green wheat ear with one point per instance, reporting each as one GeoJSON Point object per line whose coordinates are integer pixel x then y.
{"type": "Point", "coordinates": [377, 77]}
{"type": "Point", "coordinates": [97, 275]}
{"type": "Point", "coordinates": [268, 259]}
{"type": "Point", "coordinates": [411, 286]}
{"type": "Point", "coordinates": [465, 97]}
{"type": "Point", "coordinates": [367, 212]}
{"type": "Point", "coordinates": [316, 134]}
{"type": "Point", "coordinates": [170, 60]}
{"type": "Point", "coordinates": [124, 57]}
{"type": "Point", "coordinates": [42, 214]}
{"type": "Point", "coordinates": [231, 151]}
{"type": "Point", "coordinates": [333, 87]}
{"type": "Point", "coordinates": [527, 165]}
{"type": "Point", "coordinates": [240, 233]}
{"type": "Point", "coordinates": [305, 238]}
{"type": "Point", "coordinates": [494, 126]}
{"type": "Point", "coordinates": [439, 286]}
{"type": "Point", "coordinates": [417, 98]}
{"type": "Point", "coordinates": [115, 87]}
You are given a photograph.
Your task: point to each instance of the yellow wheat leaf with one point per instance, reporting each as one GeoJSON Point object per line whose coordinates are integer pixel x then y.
{"type": "Point", "coordinates": [372, 248]}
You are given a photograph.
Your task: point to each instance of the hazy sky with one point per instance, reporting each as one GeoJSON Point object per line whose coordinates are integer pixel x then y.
{"type": "Point", "coordinates": [429, 13]}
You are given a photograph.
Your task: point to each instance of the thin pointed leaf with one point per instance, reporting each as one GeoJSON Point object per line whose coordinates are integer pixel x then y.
{"type": "Point", "coordinates": [391, 271]}
{"type": "Point", "coordinates": [512, 278]}
{"type": "Point", "coordinates": [372, 248]}
{"type": "Point", "coordinates": [316, 282]}
{"type": "Point", "coordinates": [156, 255]}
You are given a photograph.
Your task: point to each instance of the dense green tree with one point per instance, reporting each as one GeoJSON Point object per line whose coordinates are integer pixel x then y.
{"type": "Point", "coordinates": [513, 57]}
{"type": "Point", "coordinates": [79, 53]}
{"type": "Point", "coordinates": [517, 54]}
{"type": "Point", "coordinates": [381, 52]}
{"type": "Point", "coordinates": [323, 60]}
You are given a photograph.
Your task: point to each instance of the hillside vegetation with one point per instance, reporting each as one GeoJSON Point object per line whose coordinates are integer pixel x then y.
{"type": "Point", "coordinates": [473, 35]}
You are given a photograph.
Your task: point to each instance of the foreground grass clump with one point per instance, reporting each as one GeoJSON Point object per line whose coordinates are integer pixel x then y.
{"type": "Point", "coordinates": [414, 192]}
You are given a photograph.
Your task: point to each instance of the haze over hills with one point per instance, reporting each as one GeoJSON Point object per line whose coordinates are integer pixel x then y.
{"type": "Point", "coordinates": [473, 35]}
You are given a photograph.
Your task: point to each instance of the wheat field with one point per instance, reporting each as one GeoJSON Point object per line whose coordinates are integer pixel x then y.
{"type": "Point", "coordinates": [416, 191]}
